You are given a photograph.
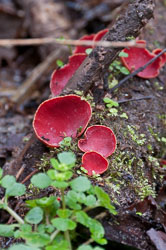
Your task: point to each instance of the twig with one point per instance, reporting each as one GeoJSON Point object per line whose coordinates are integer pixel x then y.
{"type": "Point", "coordinates": [136, 71]}
{"type": "Point", "coordinates": [48, 40]}
{"type": "Point", "coordinates": [20, 172]}
{"type": "Point", "coordinates": [27, 88]}
{"type": "Point", "coordinates": [29, 176]}
{"type": "Point", "coordinates": [136, 99]}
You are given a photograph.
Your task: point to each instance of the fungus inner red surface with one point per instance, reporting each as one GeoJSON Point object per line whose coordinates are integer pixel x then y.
{"type": "Point", "coordinates": [82, 49]}
{"type": "Point", "coordinates": [93, 161]}
{"type": "Point", "coordinates": [61, 117]}
{"type": "Point", "coordinates": [61, 76]}
{"type": "Point", "coordinates": [100, 139]}
{"type": "Point", "coordinates": [162, 57]}
{"type": "Point", "coordinates": [138, 57]}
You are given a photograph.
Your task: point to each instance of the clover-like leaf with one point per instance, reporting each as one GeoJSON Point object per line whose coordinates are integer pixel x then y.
{"type": "Point", "coordinates": [34, 216]}
{"type": "Point", "coordinates": [80, 184]}
{"type": "Point", "coordinates": [41, 180]}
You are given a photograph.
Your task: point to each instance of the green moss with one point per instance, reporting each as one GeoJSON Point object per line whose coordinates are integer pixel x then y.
{"type": "Point", "coordinates": [127, 172]}
{"type": "Point", "coordinates": [137, 138]}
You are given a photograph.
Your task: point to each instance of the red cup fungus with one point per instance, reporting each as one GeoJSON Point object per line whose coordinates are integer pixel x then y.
{"type": "Point", "coordinates": [61, 76]}
{"type": "Point", "coordinates": [100, 139]}
{"type": "Point", "coordinates": [82, 49]}
{"type": "Point", "coordinates": [94, 37]}
{"type": "Point", "coordinates": [162, 57]}
{"type": "Point", "coordinates": [94, 162]}
{"type": "Point", "coordinates": [138, 57]}
{"type": "Point", "coordinates": [100, 35]}
{"type": "Point", "coordinates": [59, 117]}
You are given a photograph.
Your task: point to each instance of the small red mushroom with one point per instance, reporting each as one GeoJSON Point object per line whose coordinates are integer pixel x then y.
{"type": "Point", "coordinates": [100, 139]}
{"type": "Point", "coordinates": [82, 49]}
{"type": "Point", "coordinates": [162, 57]}
{"type": "Point", "coordinates": [94, 37]}
{"type": "Point", "coordinates": [59, 117]}
{"type": "Point", "coordinates": [94, 162]}
{"type": "Point", "coordinates": [138, 57]}
{"type": "Point", "coordinates": [100, 35]}
{"type": "Point", "coordinates": [60, 77]}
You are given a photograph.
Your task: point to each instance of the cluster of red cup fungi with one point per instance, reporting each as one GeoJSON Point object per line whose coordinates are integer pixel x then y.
{"type": "Point", "coordinates": [138, 57]}
{"type": "Point", "coordinates": [60, 77]}
{"type": "Point", "coordinates": [68, 116]}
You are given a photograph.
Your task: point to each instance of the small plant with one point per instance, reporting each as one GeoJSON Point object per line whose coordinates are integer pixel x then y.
{"type": "Point", "coordinates": [117, 67]}
{"type": "Point", "coordinates": [51, 221]}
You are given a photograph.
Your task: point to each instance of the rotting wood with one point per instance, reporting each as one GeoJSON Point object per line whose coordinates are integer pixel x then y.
{"type": "Point", "coordinates": [96, 64]}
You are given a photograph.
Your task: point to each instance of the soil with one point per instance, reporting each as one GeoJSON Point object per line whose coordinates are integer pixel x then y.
{"type": "Point", "coordinates": [135, 179]}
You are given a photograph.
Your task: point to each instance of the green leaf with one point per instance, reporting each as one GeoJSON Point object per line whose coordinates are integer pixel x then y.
{"type": "Point", "coordinates": [31, 203]}
{"type": "Point", "coordinates": [82, 218]}
{"type": "Point", "coordinates": [49, 228]}
{"type": "Point", "coordinates": [41, 180]}
{"type": "Point", "coordinates": [90, 201]}
{"type": "Point", "coordinates": [104, 200]}
{"type": "Point", "coordinates": [110, 103]}
{"type": "Point", "coordinates": [88, 51]}
{"type": "Point", "coordinates": [52, 174]}
{"type": "Point", "coordinates": [35, 239]}
{"type": "Point", "coordinates": [80, 184]}
{"type": "Point", "coordinates": [64, 213]}
{"type": "Point", "coordinates": [85, 247]}
{"type": "Point", "coordinates": [72, 195]}
{"type": "Point", "coordinates": [1, 173]}
{"type": "Point", "coordinates": [26, 228]}
{"type": "Point", "coordinates": [8, 181]}
{"type": "Point", "coordinates": [63, 224]}
{"type": "Point", "coordinates": [54, 163]}
{"type": "Point", "coordinates": [34, 216]}
{"type": "Point", "coordinates": [94, 226]}
{"type": "Point", "coordinates": [62, 245]}
{"type": "Point", "coordinates": [81, 197]}
{"type": "Point", "coordinates": [59, 184]}
{"type": "Point", "coordinates": [7, 230]}
{"type": "Point", "coordinates": [66, 142]}
{"type": "Point", "coordinates": [107, 100]}
{"type": "Point", "coordinates": [17, 189]}
{"type": "Point", "coordinates": [123, 54]}
{"type": "Point", "coordinates": [96, 229]}
{"type": "Point", "coordinates": [46, 201]}
{"type": "Point", "coordinates": [59, 63]}
{"type": "Point", "coordinates": [101, 241]}
{"type": "Point", "coordinates": [124, 70]}
{"type": "Point", "coordinates": [72, 202]}
{"type": "Point", "coordinates": [67, 158]}
{"type": "Point", "coordinates": [23, 247]}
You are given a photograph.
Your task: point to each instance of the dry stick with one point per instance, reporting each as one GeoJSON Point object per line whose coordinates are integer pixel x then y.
{"type": "Point", "coordinates": [27, 88]}
{"type": "Point", "coordinates": [48, 40]}
{"type": "Point", "coordinates": [96, 64]}
{"type": "Point", "coordinates": [136, 71]}
{"type": "Point", "coordinates": [30, 175]}
{"type": "Point", "coordinates": [136, 99]}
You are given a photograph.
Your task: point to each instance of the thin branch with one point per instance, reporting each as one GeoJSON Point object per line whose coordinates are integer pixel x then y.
{"type": "Point", "coordinates": [48, 40]}
{"type": "Point", "coordinates": [137, 71]}
{"type": "Point", "coordinates": [136, 99]}
{"type": "Point", "coordinates": [29, 176]}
